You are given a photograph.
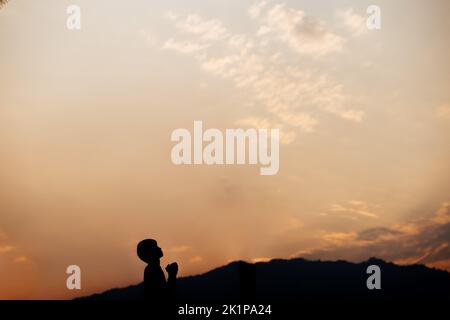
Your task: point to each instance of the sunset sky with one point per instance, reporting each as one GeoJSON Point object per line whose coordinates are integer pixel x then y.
{"type": "Point", "coordinates": [86, 117]}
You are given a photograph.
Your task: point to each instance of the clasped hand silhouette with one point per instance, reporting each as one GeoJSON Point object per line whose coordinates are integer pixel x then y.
{"type": "Point", "coordinates": [172, 269]}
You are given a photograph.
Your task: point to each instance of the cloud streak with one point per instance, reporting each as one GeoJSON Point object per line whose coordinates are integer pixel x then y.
{"type": "Point", "coordinates": [353, 209]}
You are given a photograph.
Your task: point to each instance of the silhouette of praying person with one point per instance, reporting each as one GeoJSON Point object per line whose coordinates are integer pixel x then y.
{"type": "Point", "coordinates": [158, 292]}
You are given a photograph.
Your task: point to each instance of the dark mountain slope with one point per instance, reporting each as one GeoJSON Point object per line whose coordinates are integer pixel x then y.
{"type": "Point", "coordinates": [284, 280]}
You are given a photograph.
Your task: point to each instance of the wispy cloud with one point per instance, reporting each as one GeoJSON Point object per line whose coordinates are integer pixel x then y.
{"type": "Point", "coordinates": [354, 208]}
{"type": "Point", "coordinates": [353, 21]}
{"type": "Point", "coordinates": [290, 95]}
{"type": "Point", "coordinates": [21, 259]}
{"type": "Point", "coordinates": [206, 29]}
{"type": "Point", "coordinates": [302, 33]}
{"type": "Point", "coordinates": [195, 259]}
{"type": "Point", "coordinates": [183, 46]}
{"type": "Point", "coordinates": [6, 248]}
{"type": "Point", "coordinates": [339, 238]}
{"type": "Point", "coordinates": [256, 9]}
{"type": "Point", "coordinates": [261, 259]}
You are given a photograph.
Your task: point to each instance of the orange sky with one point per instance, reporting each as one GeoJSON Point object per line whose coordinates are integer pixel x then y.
{"type": "Point", "coordinates": [86, 118]}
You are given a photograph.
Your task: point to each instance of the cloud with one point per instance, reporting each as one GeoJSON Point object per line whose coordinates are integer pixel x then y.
{"type": "Point", "coordinates": [354, 22]}
{"type": "Point", "coordinates": [443, 214]}
{"type": "Point", "coordinates": [302, 33]}
{"type": "Point", "coordinates": [206, 29]}
{"type": "Point", "coordinates": [339, 238]}
{"type": "Point", "coordinates": [10, 254]}
{"type": "Point", "coordinates": [6, 248]}
{"type": "Point", "coordinates": [195, 259]}
{"type": "Point", "coordinates": [354, 208]}
{"type": "Point", "coordinates": [21, 259]}
{"type": "Point", "coordinates": [256, 9]}
{"type": "Point", "coordinates": [261, 259]}
{"type": "Point", "coordinates": [424, 241]}
{"type": "Point", "coordinates": [3, 2]}
{"type": "Point", "coordinates": [183, 46]}
{"type": "Point", "coordinates": [291, 96]}
{"type": "Point", "coordinates": [287, 135]}
{"type": "Point", "coordinates": [11, 250]}
{"type": "Point", "coordinates": [377, 234]}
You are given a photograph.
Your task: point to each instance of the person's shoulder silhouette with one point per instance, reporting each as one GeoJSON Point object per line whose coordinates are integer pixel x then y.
{"type": "Point", "coordinates": [157, 290]}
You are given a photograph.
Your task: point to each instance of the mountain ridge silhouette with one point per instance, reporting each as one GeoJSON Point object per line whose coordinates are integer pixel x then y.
{"type": "Point", "coordinates": [298, 278]}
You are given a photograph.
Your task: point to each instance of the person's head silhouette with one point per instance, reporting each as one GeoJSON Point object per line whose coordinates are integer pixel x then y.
{"type": "Point", "coordinates": [148, 251]}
